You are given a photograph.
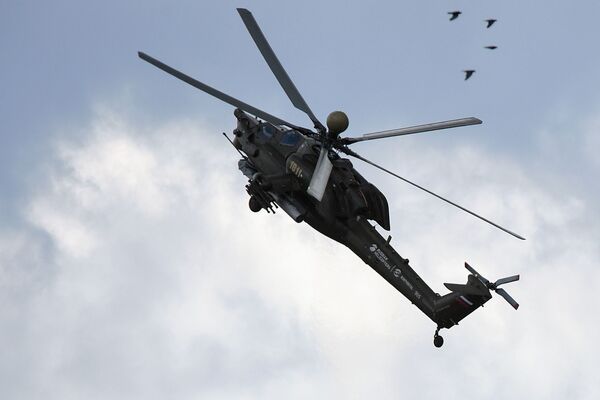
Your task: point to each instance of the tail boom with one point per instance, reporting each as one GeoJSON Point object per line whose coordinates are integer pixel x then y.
{"type": "Point", "coordinates": [446, 311]}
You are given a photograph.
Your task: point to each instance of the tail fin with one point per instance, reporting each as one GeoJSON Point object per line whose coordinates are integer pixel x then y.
{"type": "Point", "coordinates": [460, 302]}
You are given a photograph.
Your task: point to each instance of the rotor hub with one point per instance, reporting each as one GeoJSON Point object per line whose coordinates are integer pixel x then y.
{"type": "Point", "coordinates": [337, 122]}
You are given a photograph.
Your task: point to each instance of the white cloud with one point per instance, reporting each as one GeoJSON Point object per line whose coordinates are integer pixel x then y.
{"type": "Point", "coordinates": [163, 283]}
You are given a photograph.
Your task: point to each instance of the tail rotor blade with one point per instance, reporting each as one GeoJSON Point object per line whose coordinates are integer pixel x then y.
{"type": "Point", "coordinates": [320, 177]}
{"type": "Point", "coordinates": [471, 269]}
{"type": "Point", "coordinates": [509, 279]}
{"type": "Point", "coordinates": [476, 274]}
{"type": "Point", "coordinates": [507, 297]}
{"type": "Point", "coordinates": [282, 77]}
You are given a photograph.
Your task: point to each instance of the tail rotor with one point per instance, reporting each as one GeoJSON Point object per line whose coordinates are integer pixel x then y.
{"type": "Point", "coordinates": [494, 285]}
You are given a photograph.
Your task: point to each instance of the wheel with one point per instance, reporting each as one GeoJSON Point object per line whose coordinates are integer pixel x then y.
{"type": "Point", "coordinates": [254, 204]}
{"type": "Point", "coordinates": [438, 341]}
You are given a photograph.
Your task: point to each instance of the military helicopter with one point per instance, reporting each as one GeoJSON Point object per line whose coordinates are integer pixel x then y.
{"type": "Point", "coordinates": [300, 170]}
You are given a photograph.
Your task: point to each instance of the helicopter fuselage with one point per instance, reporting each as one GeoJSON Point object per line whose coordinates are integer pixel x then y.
{"type": "Point", "coordinates": [299, 170]}
{"type": "Point", "coordinates": [279, 164]}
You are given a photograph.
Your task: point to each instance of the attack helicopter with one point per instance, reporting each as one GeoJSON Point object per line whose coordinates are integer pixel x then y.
{"type": "Point", "coordinates": [302, 172]}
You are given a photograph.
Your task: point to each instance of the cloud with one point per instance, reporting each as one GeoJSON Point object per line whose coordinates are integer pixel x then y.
{"type": "Point", "coordinates": [141, 273]}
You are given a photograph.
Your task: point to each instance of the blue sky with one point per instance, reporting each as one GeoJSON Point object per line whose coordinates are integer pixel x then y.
{"type": "Point", "coordinates": [127, 249]}
{"type": "Point", "coordinates": [402, 66]}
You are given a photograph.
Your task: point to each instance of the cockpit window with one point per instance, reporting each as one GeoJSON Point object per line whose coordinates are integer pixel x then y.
{"type": "Point", "coordinates": [290, 138]}
{"type": "Point", "coordinates": [266, 131]}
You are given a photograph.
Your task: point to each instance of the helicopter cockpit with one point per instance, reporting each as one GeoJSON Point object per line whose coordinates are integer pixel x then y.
{"type": "Point", "coordinates": [290, 138]}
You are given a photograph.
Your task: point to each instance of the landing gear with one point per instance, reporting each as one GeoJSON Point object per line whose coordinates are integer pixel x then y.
{"type": "Point", "coordinates": [438, 341]}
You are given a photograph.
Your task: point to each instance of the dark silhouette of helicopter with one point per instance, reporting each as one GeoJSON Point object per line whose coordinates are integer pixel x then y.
{"type": "Point", "coordinates": [300, 171]}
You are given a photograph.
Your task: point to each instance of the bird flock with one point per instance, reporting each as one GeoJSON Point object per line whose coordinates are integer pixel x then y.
{"type": "Point", "coordinates": [489, 22]}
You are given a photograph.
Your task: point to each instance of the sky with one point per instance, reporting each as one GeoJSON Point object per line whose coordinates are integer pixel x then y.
{"type": "Point", "coordinates": [131, 266]}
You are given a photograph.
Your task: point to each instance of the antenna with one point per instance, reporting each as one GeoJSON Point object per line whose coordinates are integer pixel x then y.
{"type": "Point", "coordinates": [238, 150]}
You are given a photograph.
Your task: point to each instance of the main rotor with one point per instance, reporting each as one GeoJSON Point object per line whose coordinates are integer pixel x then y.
{"type": "Point", "coordinates": [328, 137]}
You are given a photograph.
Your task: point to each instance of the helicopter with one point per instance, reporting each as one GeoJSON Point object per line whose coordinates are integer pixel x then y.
{"type": "Point", "coordinates": [302, 172]}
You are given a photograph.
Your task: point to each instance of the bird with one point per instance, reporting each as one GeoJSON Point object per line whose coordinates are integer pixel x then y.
{"type": "Point", "coordinates": [490, 22]}
{"type": "Point", "coordinates": [468, 73]}
{"type": "Point", "coordinates": [491, 47]}
{"type": "Point", "coordinates": [454, 15]}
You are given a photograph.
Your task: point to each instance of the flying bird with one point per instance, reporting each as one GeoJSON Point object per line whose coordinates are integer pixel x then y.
{"type": "Point", "coordinates": [454, 15]}
{"type": "Point", "coordinates": [468, 73]}
{"type": "Point", "coordinates": [491, 47]}
{"type": "Point", "coordinates": [490, 22]}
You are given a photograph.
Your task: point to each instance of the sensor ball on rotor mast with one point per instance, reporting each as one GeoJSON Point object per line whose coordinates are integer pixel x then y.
{"type": "Point", "coordinates": [337, 122]}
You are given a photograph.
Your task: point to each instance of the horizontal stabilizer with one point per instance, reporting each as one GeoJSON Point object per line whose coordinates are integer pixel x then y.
{"type": "Point", "coordinates": [465, 289]}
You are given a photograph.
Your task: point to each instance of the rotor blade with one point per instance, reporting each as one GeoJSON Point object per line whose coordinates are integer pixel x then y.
{"type": "Point", "coordinates": [435, 126]}
{"type": "Point", "coordinates": [502, 281]}
{"type": "Point", "coordinates": [214, 92]}
{"type": "Point", "coordinates": [507, 297]}
{"type": "Point", "coordinates": [276, 67]}
{"type": "Point", "coordinates": [351, 153]}
{"type": "Point", "coordinates": [472, 270]}
{"type": "Point", "coordinates": [320, 177]}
